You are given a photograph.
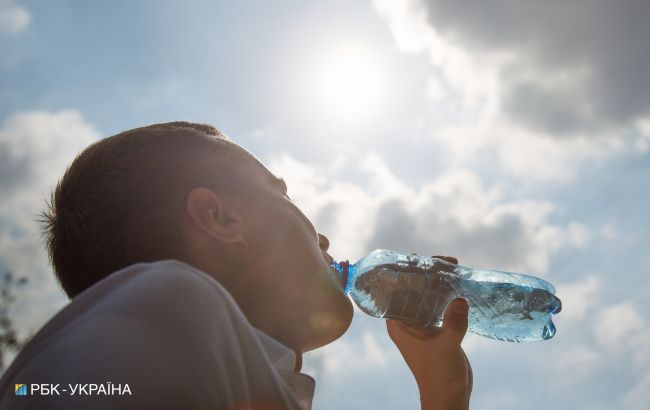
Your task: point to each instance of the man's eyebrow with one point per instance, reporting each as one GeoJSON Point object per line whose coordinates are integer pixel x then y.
{"type": "Point", "coordinates": [279, 184]}
{"type": "Point", "coordinates": [284, 185]}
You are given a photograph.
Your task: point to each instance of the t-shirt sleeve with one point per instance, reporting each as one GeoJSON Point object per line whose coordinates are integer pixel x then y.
{"type": "Point", "coordinates": [173, 334]}
{"type": "Point", "coordinates": [189, 344]}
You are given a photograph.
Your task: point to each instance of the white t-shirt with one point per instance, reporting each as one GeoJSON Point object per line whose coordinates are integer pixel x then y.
{"type": "Point", "coordinates": [167, 332]}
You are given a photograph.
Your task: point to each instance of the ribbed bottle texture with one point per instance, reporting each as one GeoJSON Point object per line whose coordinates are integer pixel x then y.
{"type": "Point", "coordinates": [417, 289]}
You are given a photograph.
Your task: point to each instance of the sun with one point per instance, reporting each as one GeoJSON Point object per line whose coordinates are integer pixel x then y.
{"type": "Point", "coordinates": [349, 83]}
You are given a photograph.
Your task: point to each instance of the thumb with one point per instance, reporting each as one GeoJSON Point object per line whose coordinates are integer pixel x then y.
{"type": "Point", "coordinates": [455, 320]}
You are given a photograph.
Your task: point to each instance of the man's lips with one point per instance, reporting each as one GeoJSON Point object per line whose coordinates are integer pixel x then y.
{"type": "Point", "coordinates": [336, 274]}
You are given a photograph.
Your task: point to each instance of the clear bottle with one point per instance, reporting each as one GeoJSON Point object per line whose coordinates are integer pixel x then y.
{"type": "Point", "coordinates": [417, 289]}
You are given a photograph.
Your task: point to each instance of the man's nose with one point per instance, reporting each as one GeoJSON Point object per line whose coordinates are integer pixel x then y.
{"type": "Point", "coordinates": [323, 242]}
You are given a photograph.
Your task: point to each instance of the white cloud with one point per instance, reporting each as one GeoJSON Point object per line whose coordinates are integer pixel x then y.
{"type": "Point", "coordinates": [458, 213]}
{"type": "Point", "coordinates": [578, 298]}
{"type": "Point", "coordinates": [14, 19]}
{"type": "Point", "coordinates": [607, 231]}
{"type": "Point", "coordinates": [643, 143]}
{"type": "Point", "coordinates": [639, 396]}
{"type": "Point", "coordinates": [574, 65]}
{"type": "Point", "coordinates": [528, 154]}
{"type": "Point", "coordinates": [525, 101]}
{"type": "Point", "coordinates": [35, 149]}
{"type": "Point", "coordinates": [373, 352]}
{"type": "Point", "coordinates": [342, 210]}
{"type": "Point", "coordinates": [576, 362]}
{"type": "Point", "coordinates": [622, 330]}
{"type": "Point", "coordinates": [617, 323]}
{"type": "Point", "coordinates": [453, 213]}
{"type": "Point", "coordinates": [413, 33]}
{"type": "Point", "coordinates": [346, 355]}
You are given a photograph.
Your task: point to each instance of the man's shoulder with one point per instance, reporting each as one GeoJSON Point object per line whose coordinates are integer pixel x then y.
{"type": "Point", "coordinates": [140, 305]}
{"type": "Point", "coordinates": [168, 276]}
{"type": "Point", "coordinates": [159, 282]}
{"type": "Point", "coordinates": [166, 295]}
{"type": "Point", "coordinates": [158, 275]}
{"type": "Point", "coordinates": [169, 330]}
{"type": "Point", "coordinates": [172, 286]}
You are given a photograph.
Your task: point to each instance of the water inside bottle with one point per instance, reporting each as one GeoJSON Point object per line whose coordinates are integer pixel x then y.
{"type": "Point", "coordinates": [504, 311]}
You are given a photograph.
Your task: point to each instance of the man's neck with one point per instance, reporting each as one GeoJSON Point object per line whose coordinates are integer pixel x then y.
{"type": "Point", "coordinates": [298, 361]}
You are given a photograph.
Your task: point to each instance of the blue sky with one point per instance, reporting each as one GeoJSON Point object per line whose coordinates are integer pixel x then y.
{"type": "Point", "coordinates": [511, 134]}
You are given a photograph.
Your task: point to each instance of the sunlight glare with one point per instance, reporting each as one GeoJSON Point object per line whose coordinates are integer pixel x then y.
{"type": "Point", "coordinates": [349, 83]}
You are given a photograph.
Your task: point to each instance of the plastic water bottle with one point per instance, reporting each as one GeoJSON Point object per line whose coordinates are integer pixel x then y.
{"type": "Point", "coordinates": [417, 289]}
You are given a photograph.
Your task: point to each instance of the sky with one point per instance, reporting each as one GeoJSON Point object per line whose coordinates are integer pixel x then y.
{"type": "Point", "coordinates": [512, 134]}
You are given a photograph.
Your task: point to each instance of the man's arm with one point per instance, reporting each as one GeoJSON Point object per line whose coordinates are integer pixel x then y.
{"type": "Point", "coordinates": [438, 362]}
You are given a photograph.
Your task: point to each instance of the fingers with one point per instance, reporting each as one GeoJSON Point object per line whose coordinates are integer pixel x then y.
{"type": "Point", "coordinates": [456, 321]}
{"type": "Point", "coordinates": [453, 330]}
{"type": "Point", "coordinates": [470, 373]}
{"type": "Point", "coordinates": [420, 333]}
{"type": "Point", "coordinates": [393, 330]}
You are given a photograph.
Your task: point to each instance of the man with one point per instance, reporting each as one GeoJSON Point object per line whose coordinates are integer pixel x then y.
{"type": "Point", "coordinates": [196, 283]}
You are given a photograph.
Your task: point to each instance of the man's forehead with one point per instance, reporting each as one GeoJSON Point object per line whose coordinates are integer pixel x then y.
{"type": "Point", "coordinates": [274, 180]}
{"type": "Point", "coordinates": [251, 165]}
{"type": "Point", "coordinates": [258, 169]}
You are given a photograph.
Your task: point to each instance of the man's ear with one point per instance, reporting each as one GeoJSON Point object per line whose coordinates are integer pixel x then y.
{"type": "Point", "coordinates": [215, 215]}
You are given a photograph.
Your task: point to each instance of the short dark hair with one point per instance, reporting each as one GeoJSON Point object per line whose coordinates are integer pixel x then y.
{"type": "Point", "coordinates": [118, 202]}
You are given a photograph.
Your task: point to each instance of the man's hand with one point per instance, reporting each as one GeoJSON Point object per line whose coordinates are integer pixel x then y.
{"type": "Point", "coordinates": [440, 366]}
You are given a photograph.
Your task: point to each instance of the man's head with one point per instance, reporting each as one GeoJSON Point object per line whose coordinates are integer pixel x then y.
{"type": "Point", "coordinates": [184, 191]}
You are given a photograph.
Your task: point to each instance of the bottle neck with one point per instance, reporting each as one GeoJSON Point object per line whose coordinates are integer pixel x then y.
{"type": "Point", "coordinates": [343, 269]}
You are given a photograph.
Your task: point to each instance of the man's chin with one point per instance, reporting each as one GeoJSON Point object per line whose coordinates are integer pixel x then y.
{"type": "Point", "coordinates": [330, 325]}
